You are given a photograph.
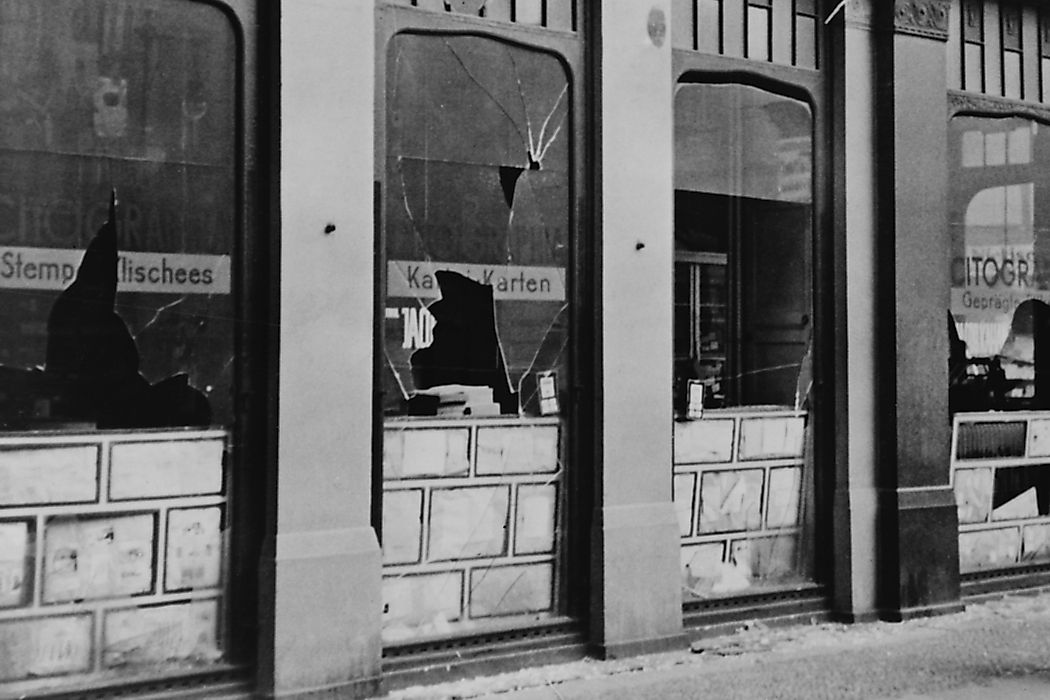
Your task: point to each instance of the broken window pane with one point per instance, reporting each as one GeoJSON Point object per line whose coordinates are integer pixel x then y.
{"type": "Point", "coordinates": [743, 294]}
{"type": "Point", "coordinates": [476, 332]}
{"type": "Point", "coordinates": [477, 221]}
{"type": "Point", "coordinates": [116, 313]}
{"type": "Point", "coordinates": [1000, 298]}
{"type": "Point", "coordinates": [140, 97]}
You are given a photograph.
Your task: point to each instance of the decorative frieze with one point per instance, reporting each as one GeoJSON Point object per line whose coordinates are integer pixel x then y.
{"type": "Point", "coordinates": [926, 18]}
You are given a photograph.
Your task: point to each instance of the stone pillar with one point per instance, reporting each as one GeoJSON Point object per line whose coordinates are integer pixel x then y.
{"type": "Point", "coordinates": [636, 594]}
{"type": "Point", "coordinates": [919, 558]}
{"type": "Point", "coordinates": [321, 574]}
{"type": "Point", "coordinates": [851, 70]}
{"type": "Point", "coordinates": [896, 529]}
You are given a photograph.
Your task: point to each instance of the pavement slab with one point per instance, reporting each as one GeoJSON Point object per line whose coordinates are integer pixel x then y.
{"type": "Point", "coordinates": [998, 649]}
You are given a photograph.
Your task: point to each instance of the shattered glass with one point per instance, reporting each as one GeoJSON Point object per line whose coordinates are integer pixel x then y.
{"type": "Point", "coordinates": [116, 314]}
{"type": "Point", "coordinates": [743, 290]}
{"type": "Point", "coordinates": [138, 97]}
{"type": "Point", "coordinates": [478, 185]}
{"type": "Point", "coordinates": [475, 377]}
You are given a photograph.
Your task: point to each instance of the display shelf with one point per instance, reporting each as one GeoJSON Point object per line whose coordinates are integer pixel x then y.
{"type": "Point", "coordinates": [113, 553]}
{"type": "Point", "coordinates": [471, 512]}
{"type": "Point", "coordinates": [1000, 473]}
{"type": "Point", "coordinates": [738, 477]}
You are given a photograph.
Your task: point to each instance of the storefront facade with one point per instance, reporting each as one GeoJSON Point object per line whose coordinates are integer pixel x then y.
{"type": "Point", "coordinates": [429, 338]}
{"type": "Point", "coordinates": [126, 361]}
{"type": "Point", "coordinates": [997, 111]}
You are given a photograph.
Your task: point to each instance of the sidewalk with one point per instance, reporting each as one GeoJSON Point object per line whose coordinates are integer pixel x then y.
{"type": "Point", "coordinates": [999, 649]}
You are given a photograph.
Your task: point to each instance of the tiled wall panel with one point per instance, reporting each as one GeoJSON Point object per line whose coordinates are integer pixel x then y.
{"type": "Point", "coordinates": [105, 539]}
{"type": "Point", "coordinates": [1000, 474]}
{"type": "Point", "coordinates": [738, 482]}
{"type": "Point", "coordinates": [473, 543]}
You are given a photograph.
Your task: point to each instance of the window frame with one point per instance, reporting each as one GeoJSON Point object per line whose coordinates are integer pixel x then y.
{"type": "Point", "coordinates": [252, 351]}
{"type": "Point", "coordinates": [568, 47]}
{"type": "Point", "coordinates": [967, 104]}
{"type": "Point", "coordinates": [808, 86]}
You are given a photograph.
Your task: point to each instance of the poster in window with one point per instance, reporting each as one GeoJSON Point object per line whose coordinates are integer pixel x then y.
{"type": "Point", "coordinates": [194, 548]}
{"type": "Point", "coordinates": [99, 557]}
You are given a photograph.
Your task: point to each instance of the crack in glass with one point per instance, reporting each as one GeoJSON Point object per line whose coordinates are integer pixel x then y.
{"type": "Point", "coordinates": [476, 330]}
{"type": "Point", "coordinates": [479, 175]}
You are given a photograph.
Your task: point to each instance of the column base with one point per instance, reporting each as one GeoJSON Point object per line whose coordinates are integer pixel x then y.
{"type": "Point", "coordinates": [322, 615]}
{"type": "Point", "coordinates": [923, 611]}
{"type": "Point", "coordinates": [637, 580]}
{"type": "Point", "coordinates": [622, 650]}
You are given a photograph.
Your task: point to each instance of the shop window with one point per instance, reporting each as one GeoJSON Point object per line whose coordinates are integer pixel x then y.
{"type": "Point", "coordinates": [1000, 291]}
{"type": "Point", "coordinates": [117, 224]}
{"type": "Point", "coordinates": [743, 351]}
{"type": "Point", "coordinates": [475, 377]}
{"type": "Point", "coordinates": [137, 97]}
{"type": "Point", "coordinates": [999, 336]}
{"type": "Point", "coordinates": [743, 286]}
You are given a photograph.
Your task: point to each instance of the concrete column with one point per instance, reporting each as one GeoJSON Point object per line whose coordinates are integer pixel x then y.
{"type": "Point", "coordinates": [896, 539]}
{"type": "Point", "coordinates": [914, 288]}
{"type": "Point", "coordinates": [896, 531]}
{"type": "Point", "coordinates": [852, 72]}
{"type": "Point", "coordinates": [323, 569]}
{"type": "Point", "coordinates": [636, 601]}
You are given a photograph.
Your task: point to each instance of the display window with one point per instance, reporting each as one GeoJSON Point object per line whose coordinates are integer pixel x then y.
{"type": "Point", "coordinates": [999, 334]}
{"type": "Point", "coordinates": [999, 257]}
{"type": "Point", "coordinates": [743, 338]}
{"type": "Point", "coordinates": [475, 373]}
{"type": "Point", "coordinates": [118, 132]}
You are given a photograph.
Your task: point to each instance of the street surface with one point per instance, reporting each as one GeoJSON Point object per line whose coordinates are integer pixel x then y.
{"type": "Point", "coordinates": [998, 649]}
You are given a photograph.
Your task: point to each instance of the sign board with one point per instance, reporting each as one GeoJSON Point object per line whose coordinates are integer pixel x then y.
{"type": "Point", "coordinates": [155, 273]}
{"type": "Point", "coordinates": [415, 279]}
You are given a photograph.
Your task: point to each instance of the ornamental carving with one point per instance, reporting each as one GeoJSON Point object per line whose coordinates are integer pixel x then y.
{"type": "Point", "coordinates": [928, 18]}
